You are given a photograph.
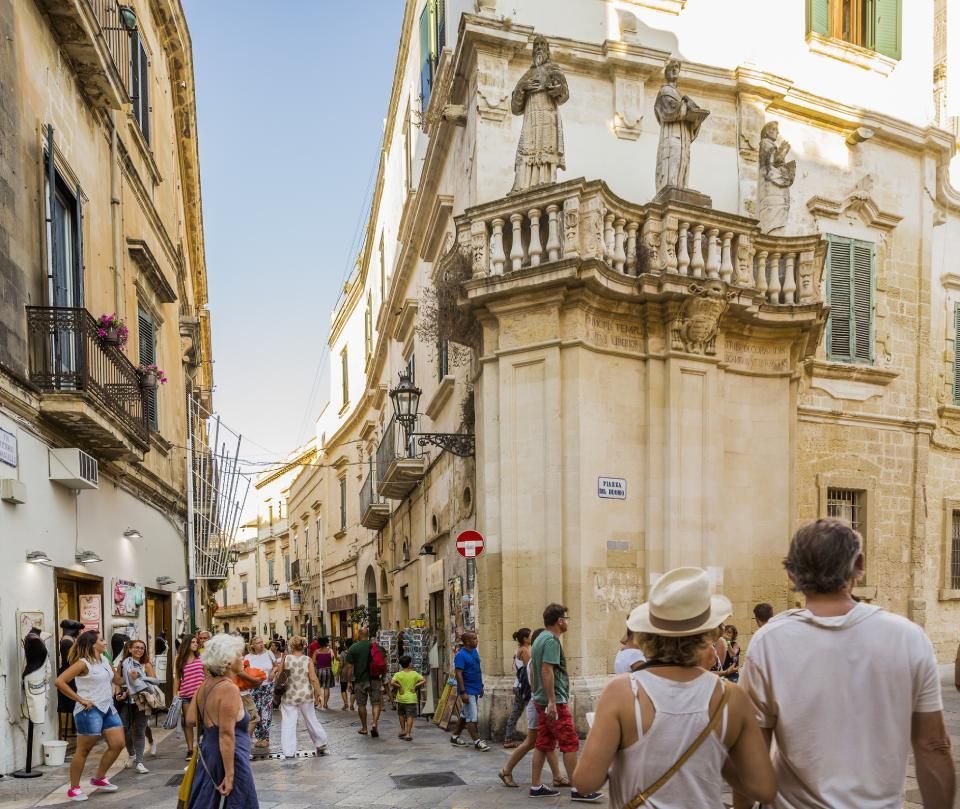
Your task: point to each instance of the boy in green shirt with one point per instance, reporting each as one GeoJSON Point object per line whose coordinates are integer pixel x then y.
{"type": "Point", "coordinates": [405, 685]}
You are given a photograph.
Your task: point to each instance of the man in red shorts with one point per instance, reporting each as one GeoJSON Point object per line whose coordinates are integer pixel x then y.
{"type": "Point", "coordinates": [551, 692]}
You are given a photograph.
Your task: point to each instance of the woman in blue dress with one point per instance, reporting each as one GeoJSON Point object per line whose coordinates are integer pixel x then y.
{"type": "Point", "coordinates": [223, 767]}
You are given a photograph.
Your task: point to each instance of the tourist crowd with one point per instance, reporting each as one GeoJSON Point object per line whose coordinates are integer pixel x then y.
{"type": "Point", "coordinates": [822, 711]}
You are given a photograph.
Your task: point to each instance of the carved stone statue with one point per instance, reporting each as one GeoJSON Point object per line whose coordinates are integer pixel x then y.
{"type": "Point", "coordinates": [536, 97]}
{"type": "Point", "coordinates": [776, 177]}
{"type": "Point", "coordinates": [680, 118]}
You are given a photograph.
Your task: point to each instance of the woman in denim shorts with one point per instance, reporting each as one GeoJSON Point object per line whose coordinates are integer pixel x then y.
{"type": "Point", "coordinates": [94, 713]}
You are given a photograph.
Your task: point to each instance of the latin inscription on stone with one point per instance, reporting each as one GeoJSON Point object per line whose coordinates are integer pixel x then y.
{"type": "Point", "coordinates": [622, 335]}
{"type": "Point", "coordinates": [761, 358]}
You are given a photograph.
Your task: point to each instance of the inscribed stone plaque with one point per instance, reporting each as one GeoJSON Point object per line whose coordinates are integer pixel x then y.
{"type": "Point", "coordinates": [758, 358]}
{"type": "Point", "coordinates": [615, 333]}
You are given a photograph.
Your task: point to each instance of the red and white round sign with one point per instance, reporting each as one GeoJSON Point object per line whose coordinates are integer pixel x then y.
{"type": "Point", "coordinates": [470, 544]}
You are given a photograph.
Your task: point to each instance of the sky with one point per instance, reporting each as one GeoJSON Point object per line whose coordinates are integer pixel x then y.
{"type": "Point", "coordinates": [291, 98]}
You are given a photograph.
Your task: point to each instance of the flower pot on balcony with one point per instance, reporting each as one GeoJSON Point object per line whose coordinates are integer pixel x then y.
{"type": "Point", "coordinates": [148, 381]}
{"type": "Point", "coordinates": [111, 336]}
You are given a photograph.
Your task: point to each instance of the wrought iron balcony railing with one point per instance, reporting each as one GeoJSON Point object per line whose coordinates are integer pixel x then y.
{"type": "Point", "coordinates": [374, 509]}
{"type": "Point", "coordinates": [400, 462]}
{"type": "Point", "coordinates": [67, 357]}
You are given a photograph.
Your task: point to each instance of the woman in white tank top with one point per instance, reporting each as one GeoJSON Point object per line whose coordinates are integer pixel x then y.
{"type": "Point", "coordinates": [645, 721]}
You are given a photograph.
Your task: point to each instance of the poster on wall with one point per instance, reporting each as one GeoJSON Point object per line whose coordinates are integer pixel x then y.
{"type": "Point", "coordinates": [127, 596]}
{"type": "Point", "coordinates": [91, 615]}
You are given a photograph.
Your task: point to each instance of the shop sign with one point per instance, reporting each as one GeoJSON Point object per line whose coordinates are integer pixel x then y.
{"type": "Point", "coordinates": [295, 603]}
{"type": "Point", "coordinates": [8, 448]}
{"type": "Point", "coordinates": [341, 603]}
{"type": "Point", "coordinates": [435, 576]}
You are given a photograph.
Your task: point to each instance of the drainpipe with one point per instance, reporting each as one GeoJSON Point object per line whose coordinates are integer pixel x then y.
{"type": "Point", "coordinates": [115, 214]}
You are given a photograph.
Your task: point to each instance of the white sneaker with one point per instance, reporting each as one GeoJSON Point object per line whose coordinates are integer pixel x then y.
{"type": "Point", "coordinates": [153, 748]}
{"type": "Point", "coordinates": [142, 770]}
{"type": "Point", "coordinates": [128, 764]}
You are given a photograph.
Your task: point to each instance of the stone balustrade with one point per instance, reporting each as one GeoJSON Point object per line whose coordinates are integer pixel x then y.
{"type": "Point", "coordinates": [580, 220]}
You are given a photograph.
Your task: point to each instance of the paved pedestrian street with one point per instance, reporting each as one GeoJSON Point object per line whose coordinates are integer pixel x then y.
{"type": "Point", "coordinates": [357, 772]}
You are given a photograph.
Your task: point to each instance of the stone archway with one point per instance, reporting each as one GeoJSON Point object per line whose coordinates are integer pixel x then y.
{"type": "Point", "coordinates": [371, 602]}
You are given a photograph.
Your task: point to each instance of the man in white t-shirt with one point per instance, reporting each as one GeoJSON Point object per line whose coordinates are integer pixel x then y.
{"type": "Point", "coordinates": [630, 657]}
{"type": "Point", "coordinates": [845, 688]}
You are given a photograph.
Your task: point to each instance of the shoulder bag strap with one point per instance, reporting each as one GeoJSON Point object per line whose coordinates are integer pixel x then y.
{"type": "Point", "coordinates": [642, 797]}
{"type": "Point", "coordinates": [206, 769]}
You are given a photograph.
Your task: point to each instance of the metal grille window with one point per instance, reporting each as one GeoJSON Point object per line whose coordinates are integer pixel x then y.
{"type": "Point", "coordinates": [955, 550]}
{"type": "Point", "coordinates": [847, 505]}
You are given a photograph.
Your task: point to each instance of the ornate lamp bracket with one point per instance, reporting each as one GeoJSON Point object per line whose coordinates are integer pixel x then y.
{"type": "Point", "coordinates": [460, 444]}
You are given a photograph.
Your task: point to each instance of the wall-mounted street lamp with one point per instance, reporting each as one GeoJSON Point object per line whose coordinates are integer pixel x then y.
{"type": "Point", "coordinates": [427, 550]}
{"type": "Point", "coordinates": [406, 403]}
{"type": "Point", "coordinates": [276, 588]}
{"type": "Point", "coordinates": [128, 17]}
{"type": "Point", "coordinates": [233, 556]}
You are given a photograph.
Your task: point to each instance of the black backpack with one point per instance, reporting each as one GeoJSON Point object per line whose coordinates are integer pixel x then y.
{"type": "Point", "coordinates": [523, 683]}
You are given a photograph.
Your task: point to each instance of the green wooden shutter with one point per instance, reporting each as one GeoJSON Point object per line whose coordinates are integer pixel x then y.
{"type": "Point", "coordinates": [78, 250]}
{"type": "Point", "coordinates": [862, 282]}
{"type": "Point", "coordinates": [886, 27]}
{"type": "Point", "coordinates": [956, 353]}
{"type": "Point", "coordinates": [818, 17]}
{"type": "Point", "coordinates": [144, 116]}
{"type": "Point", "coordinates": [426, 59]}
{"type": "Point", "coordinates": [148, 356]}
{"type": "Point", "coordinates": [840, 296]}
{"type": "Point", "coordinates": [441, 14]}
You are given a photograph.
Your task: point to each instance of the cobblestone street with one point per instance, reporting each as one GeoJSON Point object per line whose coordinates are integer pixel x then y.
{"type": "Point", "coordinates": [358, 771]}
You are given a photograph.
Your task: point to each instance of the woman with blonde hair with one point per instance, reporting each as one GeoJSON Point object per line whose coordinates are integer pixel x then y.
{"type": "Point", "coordinates": [300, 699]}
{"type": "Point", "coordinates": [259, 657]}
{"type": "Point", "coordinates": [94, 713]}
{"type": "Point", "coordinates": [223, 764]}
{"type": "Point", "coordinates": [669, 727]}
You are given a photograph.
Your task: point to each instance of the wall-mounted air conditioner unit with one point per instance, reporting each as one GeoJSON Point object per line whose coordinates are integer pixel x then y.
{"type": "Point", "coordinates": [73, 468]}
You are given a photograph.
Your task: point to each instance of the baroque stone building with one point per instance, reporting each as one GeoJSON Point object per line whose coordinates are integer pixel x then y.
{"type": "Point", "coordinates": [710, 296]}
{"type": "Point", "coordinates": [100, 212]}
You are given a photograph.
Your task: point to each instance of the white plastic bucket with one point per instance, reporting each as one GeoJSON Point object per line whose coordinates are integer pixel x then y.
{"type": "Point", "coordinates": [54, 753]}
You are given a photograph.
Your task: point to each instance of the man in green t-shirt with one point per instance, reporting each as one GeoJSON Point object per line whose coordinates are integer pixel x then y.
{"type": "Point", "coordinates": [363, 686]}
{"type": "Point", "coordinates": [551, 692]}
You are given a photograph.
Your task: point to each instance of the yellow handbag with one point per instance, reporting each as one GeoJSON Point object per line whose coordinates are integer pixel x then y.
{"type": "Point", "coordinates": [183, 796]}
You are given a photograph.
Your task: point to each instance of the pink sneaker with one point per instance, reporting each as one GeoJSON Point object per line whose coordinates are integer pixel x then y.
{"type": "Point", "coordinates": [76, 794]}
{"type": "Point", "coordinates": [103, 785]}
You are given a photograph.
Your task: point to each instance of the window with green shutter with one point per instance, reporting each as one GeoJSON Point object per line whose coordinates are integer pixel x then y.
{"type": "Point", "coordinates": [956, 353]}
{"type": "Point", "coordinates": [433, 34]}
{"type": "Point", "coordinates": [147, 331]}
{"type": "Point", "coordinates": [368, 327]}
{"type": "Point", "coordinates": [850, 285]}
{"type": "Point", "coordinates": [871, 24]}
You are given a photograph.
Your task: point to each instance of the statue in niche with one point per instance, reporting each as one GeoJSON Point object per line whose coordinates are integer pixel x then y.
{"type": "Point", "coordinates": [680, 118]}
{"type": "Point", "coordinates": [537, 97]}
{"type": "Point", "coordinates": [776, 177]}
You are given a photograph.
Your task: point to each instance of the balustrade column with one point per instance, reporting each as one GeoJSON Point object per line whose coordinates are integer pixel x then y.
{"type": "Point", "coordinates": [773, 293]}
{"type": "Point", "coordinates": [696, 260]}
{"type": "Point", "coordinates": [632, 248]}
{"type": "Point", "coordinates": [516, 249]}
{"type": "Point", "coordinates": [683, 253]}
{"type": "Point", "coordinates": [790, 280]}
{"type": "Point", "coordinates": [762, 272]}
{"type": "Point", "coordinates": [726, 262]}
{"type": "Point", "coordinates": [497, 257]}
{"type": "Point", "coordinates": [713, 253]}
{"type": "Point", "coordinates": [553, 233]}
{"type": "Point", "coordinates": [535, 249]}
{"type": "Point", "coordinates": [619, 253]}
{"type": "Point", "coordinates": [608, 238]}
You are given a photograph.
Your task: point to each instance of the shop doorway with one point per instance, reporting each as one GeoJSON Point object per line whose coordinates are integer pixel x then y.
{"type": "Point", "coordinates": [79, 597]}
{"type": "Point", "coordinates": [439, 625]}
{"type": "Point", "coordinates": [159, 622]}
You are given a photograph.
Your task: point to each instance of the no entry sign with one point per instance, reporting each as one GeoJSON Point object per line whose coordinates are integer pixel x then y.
{"type": "Point", "coordinates": [470, 544]}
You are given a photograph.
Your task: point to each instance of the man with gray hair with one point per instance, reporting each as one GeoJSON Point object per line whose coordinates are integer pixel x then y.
{"type": "Point", "coordinates": [845, 688]}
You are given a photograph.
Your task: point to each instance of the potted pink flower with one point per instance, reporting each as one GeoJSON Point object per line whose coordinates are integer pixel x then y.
{"type": "Point", "coordinates": [151, 376]}
{"type": "Point", "coordinates": [112, 331]}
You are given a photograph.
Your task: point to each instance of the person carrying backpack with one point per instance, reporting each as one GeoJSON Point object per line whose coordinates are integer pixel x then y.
{"type": "Point", "coordinates": [521, 688]}
{"type": "Point", "coordinates": [366, 666]}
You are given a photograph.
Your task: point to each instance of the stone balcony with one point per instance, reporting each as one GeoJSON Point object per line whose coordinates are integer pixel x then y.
{"type": "Point", "coordinates": [92, 34]}
{"type": "Point", "coordinates": [236, 610]}
{"type": "Point", "coordinates": [400, 468]}
{"type": "Point", "coordinates": [581, 233]}
{"type": "Point", "coordinates": [374, 509]}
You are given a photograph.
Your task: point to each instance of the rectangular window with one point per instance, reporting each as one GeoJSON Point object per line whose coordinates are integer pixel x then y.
{"type": "Point", "coordinates": [286, 567]}
{"type": "Point", "coordinates": [955, 550]}
{"type": "Point", "coordinates": [64, 242]}
{"type": "Point", "coordinates": [850, 292]}
{"type": "Point", "coordinates": [432, 39]}
{"type": "Point", "coordinates": [443, 358]}
{"type": "Point", "coordinates": [140, 84]}
{"type": "Point", "coordinates": [343, 504]}
{"type": "Point", "coordinates": [243, 591]}
{"type": "Point", "coordinates": [147, 329]}
{"type": "Point", "coordinates": [408, 150]}
{"type": "Point", "coordinates": [383, 271]}
{"type": "Point", "coordinates": [411, 369]}
{"type": "Point", "coordinates": [956, 353]}
{"type": "Point", "coordinates": [319, 536]}
{"type": "Point", "coordinates": [871, 24]}
{"type": "Point", "coordinates": [306, 539]}
{"type": "Point", "coordinates": [225, 596]}
{"type": "Point", "coordinates": [344, 377]}
{"type": "Point", "coordinates": [847, 505]}
{"type": "Point", "coordinates": [270, 572]}
{"type": "Point", "coordinates": [368, 327]}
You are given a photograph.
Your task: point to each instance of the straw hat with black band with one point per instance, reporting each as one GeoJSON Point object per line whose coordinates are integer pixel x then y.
{"type": "Point", "coordinates": [680, 605]}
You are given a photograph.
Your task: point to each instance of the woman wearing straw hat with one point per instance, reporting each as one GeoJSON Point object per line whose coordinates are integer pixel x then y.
{"type": "Point", "coordinates": [668, 728]}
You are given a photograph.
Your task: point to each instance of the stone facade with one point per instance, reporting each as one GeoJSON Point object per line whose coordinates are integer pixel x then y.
{"type": "Point", "coordinates": [126, 239]}
{"type": "Point", "coordinates": [669, 342]}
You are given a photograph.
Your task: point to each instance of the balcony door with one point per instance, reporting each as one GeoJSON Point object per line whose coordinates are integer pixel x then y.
{"type": "Point", "coordinates": [65, 282]}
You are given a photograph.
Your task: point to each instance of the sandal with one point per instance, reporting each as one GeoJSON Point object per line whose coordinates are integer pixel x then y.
{"type": "Point", "coordinates": [507, 780]}
{"type": "Point", "coordinates": [362, 731]}
{"type": "Point", "coordinates": [510, 745]}
{"type": "Point", "coordinates": [562, 781]}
